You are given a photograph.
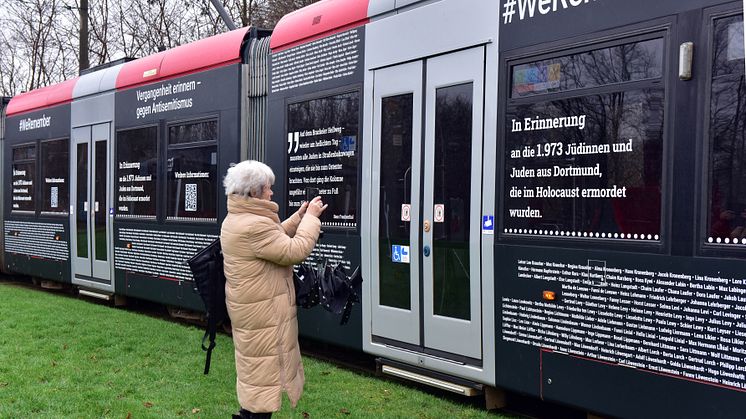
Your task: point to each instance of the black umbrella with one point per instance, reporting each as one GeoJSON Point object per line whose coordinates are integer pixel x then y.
{"type": "Point", "coordinates": [306, 286]}
{"type": "Point", "coordinates": [329, 286]}
{"type": "Point", "coordinates": [338, 291]}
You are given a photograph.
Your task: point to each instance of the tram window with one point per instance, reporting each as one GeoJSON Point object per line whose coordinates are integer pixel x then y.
{"type": "Point", "coordinates": [453, 148]}
{"type": "Point", "coordinates": [396, 190]}
{"type": "Point", "coordinates": [23, 179]}
{"type": "Point", "coordinates": [137, 172]}
{"type": "Point", "coordinates": [55, 167]}
{"type": "Point", "coordinates": [727, 135]}
{"type": "Point", "coordinates": [193, 171]}
{"type": "Point", "coordinates": [193, 132]}
{"type": "Point", "coordinates": [323, 153]}
{"type": "Point", "coordinates": [26, 152]}
{"type": "Point", "coordinates": [587, 166]}
{"type": "Point", "coordinates": [622, 63]}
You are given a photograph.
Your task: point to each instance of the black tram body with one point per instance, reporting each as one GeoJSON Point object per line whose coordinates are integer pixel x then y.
{"type": "Point", "coordinates": [638, 327]}
{"type": "Point", "coordinates": [117, 173]}
{"type": "Point", "coordinates": [37, 239]}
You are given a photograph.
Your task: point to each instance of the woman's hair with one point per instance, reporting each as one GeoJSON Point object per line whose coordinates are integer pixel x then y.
{"type": "Point", "coordinates": [248, 178]}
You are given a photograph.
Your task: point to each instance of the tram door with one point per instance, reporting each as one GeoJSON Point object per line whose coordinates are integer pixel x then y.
{"type": "Point", "coordinates": [89, 215]}
{"type": "Point", "coordinates": [427, 160]}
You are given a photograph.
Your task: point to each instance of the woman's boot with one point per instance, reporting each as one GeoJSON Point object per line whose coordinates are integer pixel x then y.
{"type": "Point", "coordinates": [245, 414]}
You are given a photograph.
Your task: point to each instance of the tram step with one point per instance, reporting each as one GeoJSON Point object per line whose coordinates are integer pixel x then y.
{"type": "Point", "coordinates": [94, 294]}
{"type": "Point", "coordinates": [430, 378]}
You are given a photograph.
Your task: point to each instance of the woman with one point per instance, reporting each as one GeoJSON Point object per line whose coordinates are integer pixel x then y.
{"type": "Point", "coordinates": [259, 253]}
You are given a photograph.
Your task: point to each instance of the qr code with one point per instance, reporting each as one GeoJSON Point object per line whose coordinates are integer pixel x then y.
{"type": "Point", "coordinates": [190, 197]}
{"type": "Point", "coordinates": [54, 197]}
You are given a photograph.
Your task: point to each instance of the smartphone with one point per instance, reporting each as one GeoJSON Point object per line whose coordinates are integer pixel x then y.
{"type": "Point", "coordinates": [311, 193]}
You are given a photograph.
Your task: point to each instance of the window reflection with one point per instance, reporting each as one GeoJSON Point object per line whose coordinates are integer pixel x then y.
{"type": "Point", "coordinates": [627, 180]}
{"type": "Point", "coordinates": [81, 204]}
{"type": "Point", "coordinates": [137, 172]}
{"type": "Point", "coordinates": [54, 175]}
{"type": "Point", "coordinates": [396, 190]}
{"type": "Point", "coordinates": [192, 183]}
{"type": "Point", "coordinates": [100, 238]}
{"type": "Point", "coordinates": [589, 165]}
{"type": "Point", "coordinates": [452, 182]}
{"type": "Point", "coordinates": [23, 178]}
{"type": "Point", "coordinates": [727, 132]}
{"type": "Point", "coordinates": [193, 132]}
{"type": "Point", "coordinates": [623, 63]}
{"type": "Point", "coordinates": [323, 144]}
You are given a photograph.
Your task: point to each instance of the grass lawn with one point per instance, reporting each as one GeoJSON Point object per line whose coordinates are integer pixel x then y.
{"type": "Point", "coordinates": [62, 357]}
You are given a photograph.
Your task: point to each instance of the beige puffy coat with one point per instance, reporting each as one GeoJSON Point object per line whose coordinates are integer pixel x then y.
{"type": "Point", "coordinates": [259, 253]}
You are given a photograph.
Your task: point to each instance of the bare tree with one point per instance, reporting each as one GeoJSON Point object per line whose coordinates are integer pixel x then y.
{"type": "Point", "coordinates": [39, 44]}
{"type": "Point", "coordinates": [33, 53]}
{"type": "Point", "coordinates": [276, 9]}
{"type": "Point", "coordinates": [99, 14]}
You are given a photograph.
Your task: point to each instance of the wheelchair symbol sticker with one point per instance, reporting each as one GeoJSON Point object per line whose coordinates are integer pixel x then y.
{"type": "Point", "coordinates": [488, 224]}
{"type": "Point", "coordinates": [399, 254]}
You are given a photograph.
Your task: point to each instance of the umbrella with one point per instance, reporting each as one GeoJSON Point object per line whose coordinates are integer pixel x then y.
{"type": "Point", "coordinates": [338, 291]}
{"type": "Point", "coordinates": [330, 287]}
{"type": "Point", "coordinates": [306, 286]}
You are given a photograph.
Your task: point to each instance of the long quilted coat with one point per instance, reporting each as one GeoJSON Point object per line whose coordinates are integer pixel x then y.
{"type": "Point", "coordinates": [259, 252]}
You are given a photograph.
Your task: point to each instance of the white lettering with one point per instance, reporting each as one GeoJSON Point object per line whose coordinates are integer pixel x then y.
{"type": "Point", "coordinates": [29, 124]}
{"type": "Point", "coordinates": [544, 6]}
{"type": "Point", "coordinates": [528, 8]}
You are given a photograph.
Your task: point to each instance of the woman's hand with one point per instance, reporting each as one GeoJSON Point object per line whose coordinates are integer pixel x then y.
{"type": "Point", "coordinates": [316, 207]}
{"type": "Point", "coordinates": [302, 210]}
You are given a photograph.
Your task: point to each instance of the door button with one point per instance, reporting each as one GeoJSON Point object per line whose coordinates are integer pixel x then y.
{"type": "Point", "coordinates": [426, 251]}
{"type": "Point", "coordinates": [426, 226]}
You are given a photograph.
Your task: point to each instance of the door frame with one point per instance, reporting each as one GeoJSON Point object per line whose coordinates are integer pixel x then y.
{"type": "Point", "coordinates": [483, 371]}
{"type": "Point", "coordinates": [396, 323]}
{"type": "Point", "coordinates": [442, 333]}
{"type": "Point", "coordinates": [89, 272]}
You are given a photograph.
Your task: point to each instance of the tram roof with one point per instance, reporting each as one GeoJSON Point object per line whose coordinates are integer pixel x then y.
{"type": "Point", "coordinates": [201, 55]}
{"type": "Point", "coordinates": [43, 97]}
{"type": "Point", "coordinates": [103, 80]}
{"type": "Point", "coordinates": [318, 20]}
{"type": "Point", "coordinates": [215, 51]}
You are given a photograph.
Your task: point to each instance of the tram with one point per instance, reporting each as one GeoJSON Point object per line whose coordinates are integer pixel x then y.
{"type": "Point", "coordinates": [113, 177]}
{"type": "Point", "coordinates": [543, 196]}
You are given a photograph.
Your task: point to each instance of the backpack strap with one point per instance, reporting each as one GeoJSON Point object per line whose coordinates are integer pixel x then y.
{"type": "Point", "coordinates": [210, 332]}
{"type": "Point", "coordinates": [212, 321]}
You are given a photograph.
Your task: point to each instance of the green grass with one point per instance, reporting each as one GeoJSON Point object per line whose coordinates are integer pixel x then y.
{"type": "Point", "coordinates": [62, 357]}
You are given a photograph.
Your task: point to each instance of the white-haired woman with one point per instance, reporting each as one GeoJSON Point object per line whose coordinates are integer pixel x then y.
{"type": "Point", "coordinates": [259, 252]}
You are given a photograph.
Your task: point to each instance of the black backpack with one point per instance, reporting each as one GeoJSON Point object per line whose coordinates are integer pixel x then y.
{"type": "Point", "coordinates": [209, 281]}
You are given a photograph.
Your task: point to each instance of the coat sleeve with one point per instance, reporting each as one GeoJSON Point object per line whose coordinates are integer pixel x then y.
{"type": "Point", "coordinates": [272, 244]}
{"type": "Point", "coordinates": [291, 224]}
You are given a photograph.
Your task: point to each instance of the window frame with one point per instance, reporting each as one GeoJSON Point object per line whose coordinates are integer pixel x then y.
{"type": "Point", "coordinates": [704, 248]}
{"type": "Point", "coordinates": [578, 50]}
{"type": "Point", "coordinates": [65, 209]}
{"type": "Point", "coordinates": [659, 28]}
{"type": "Point", "coordinates": [35, 161]}
{"type": "Point", "coordinates": [186, 146]}
{"type": "Point", "coordinates": [118, 217]}
{"type": "Point", "coordinates": [356, 88]}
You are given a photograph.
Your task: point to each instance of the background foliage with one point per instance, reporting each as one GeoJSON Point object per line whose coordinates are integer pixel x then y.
{"type": "Point", "coordinates": [40, 38]}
